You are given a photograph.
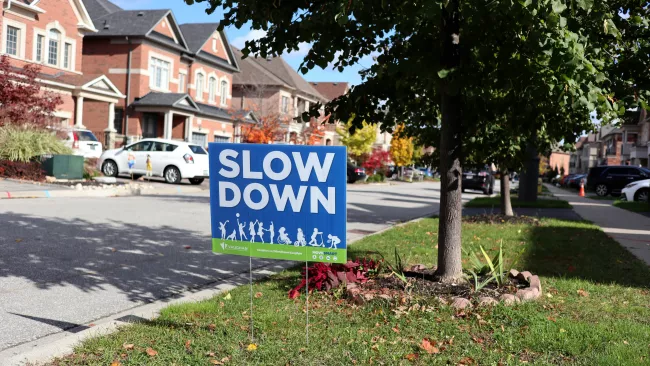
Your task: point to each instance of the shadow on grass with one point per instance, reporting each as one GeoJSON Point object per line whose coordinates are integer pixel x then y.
{"type": "Point", "coordinates": [582, 252]}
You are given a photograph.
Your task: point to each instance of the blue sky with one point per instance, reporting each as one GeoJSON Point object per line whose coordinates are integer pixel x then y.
{"type": "Point", "coordinates": [196, 14]}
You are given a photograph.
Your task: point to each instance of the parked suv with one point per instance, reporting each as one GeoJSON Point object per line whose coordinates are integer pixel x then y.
{"type": "Point", "coordinates": [83, 143]}
{"type": "Point", "coordinates": [480, 179]}
{"type": "Point", "coordinates": [170, 159]}
{"type": "Point", "coordinates": [606, 180]}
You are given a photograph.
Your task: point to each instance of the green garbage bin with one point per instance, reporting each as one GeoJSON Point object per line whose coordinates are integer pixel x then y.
{"type": "Point", "coordinates": [64, 166]}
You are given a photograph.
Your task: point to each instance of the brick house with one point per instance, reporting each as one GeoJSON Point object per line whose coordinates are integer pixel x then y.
{"type": "Point", "coordinates": [177, 79]}
{"type": "Point", "coordinates": [271, 88]}
{"type": "Point", "coordinates": [50, 33]}
{"type": "Point", "coordinates": [331, 90]}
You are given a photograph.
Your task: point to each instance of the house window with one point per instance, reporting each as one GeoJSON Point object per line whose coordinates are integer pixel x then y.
{"type": "Point", "coordinates": [159, 73]}
{"type": "Point", "coordinates": [224, 92]}
{"type": "Point", "coordinates": [39, 47]}
{"type": "Point", "coordinates": [119, 118]}
{"type": "Point", "coordinates": [214, 45]}
{"type": "Point", "coordinates": [285, 104]}
{"type": "Point", "coordinates": [212, 89]}
{"type": "Point", "coordinates": [199, 86]}
{"type": "Point", "coordinates": [53, 53]}
{"type": "Point", "coordinates": [219, 138]}
{"type": "Point", "coordinates": [66, 55]}
{"type": "Point", "coordinates": [182, 79]}
{"type": "Point", "coordinates": [200, 139]}
{"type": "Point", "coordinates": [13, 37]}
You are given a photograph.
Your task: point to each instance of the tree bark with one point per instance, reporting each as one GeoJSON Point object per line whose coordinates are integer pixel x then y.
{"type": "Point", "coordinates": [506, 205]}
{"type": "Point", "coordinates": [449, 231]}
{"type": "Point", "coordinates": [529, 176]}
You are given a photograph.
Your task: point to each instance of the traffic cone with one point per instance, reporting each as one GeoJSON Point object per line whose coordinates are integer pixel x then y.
{"type": "Point", "coordinates": [582, 188]}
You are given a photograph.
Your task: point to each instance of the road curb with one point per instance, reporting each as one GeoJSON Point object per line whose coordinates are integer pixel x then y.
{"type": "Point", "coordinates": [113, 192]}
{"type": "Point", "coordinates": [62, 343]}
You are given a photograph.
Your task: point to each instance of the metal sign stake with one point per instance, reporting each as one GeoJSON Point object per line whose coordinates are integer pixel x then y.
{"type": "Point", "coordinates": [250, 277]}
{"type": "Point", "coordinates": [307, 299]}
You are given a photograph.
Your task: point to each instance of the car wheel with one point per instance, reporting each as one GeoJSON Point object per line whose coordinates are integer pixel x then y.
{"type": "Point", "coordinates": [172, 175]}
{"type": "Point", "coordinates": [491, 190]}
{"type": "Point", "coordinates": [109, 168]}
{"type": "Point", "coordinates": [196, 181]}
{"type": "Point", "coordinates": [642, 195]}
{"type": "Point", "coordinates": [602, 190]}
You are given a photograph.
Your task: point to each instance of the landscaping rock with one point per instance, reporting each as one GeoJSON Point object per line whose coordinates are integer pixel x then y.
{"type": "Point", "coordinates": [105, 180]}
{"type": "Point", "coordinates": [487, 301]}
{"type": "Point", "coordinates": [528, 294]}
{"type": "Point", "coordinates": [442, 301]}
{"type": "Point", "coordinates": [513, 273]}
{"type": "Point", "coordinates": [49, 179]}
{"type": "Point", "coordinates": [523, 276]}
{"type": "Point", "coordinates": [460, 303]}
{"type": "Point", "coordinates": [78, 187]}
{"type": "Point", "coordinates": [417, 268]}
{"type": "Point", "coordinates": [509, 299]}
{"type": "Point", "coordinates": [535, 283]}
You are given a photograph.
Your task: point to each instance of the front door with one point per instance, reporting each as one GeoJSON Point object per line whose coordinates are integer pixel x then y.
{"type": "Point", "coordinates": [150, 125]}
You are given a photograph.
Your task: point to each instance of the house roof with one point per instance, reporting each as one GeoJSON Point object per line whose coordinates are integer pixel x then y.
{"type": "Point", "coordinates": [100, 8]}
{"type": "Point", "coordinates": [197, 34]}
{"type": "Point", "coordinates": [330, 89]}
{"type": "Point", "coordinates": [273, 71]}
{"type": "Point", "coordinates": [175, 100]}
{"type": "Point", "coordinates": [128, 22]}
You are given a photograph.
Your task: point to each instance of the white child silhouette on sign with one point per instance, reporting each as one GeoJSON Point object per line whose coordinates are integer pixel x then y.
{"type": "Point", "coordinates": [314, 238]}
{"type": "Point", "coordinates": [333, 240]}
{"type": "Point", "coordinates": [301, 239]}
{"type": "Point", "coordinates": [283, 238]}
{"type": "Point", "coordinates": [222, 227]}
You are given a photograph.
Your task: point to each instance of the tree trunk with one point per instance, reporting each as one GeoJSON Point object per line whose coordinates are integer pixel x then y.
{"type": "Point", "coordinates": [449, 232]}
{"type": "Point", "coordinates": [506, 205]}
{"type": "Point", "coordinates": [529, 176]}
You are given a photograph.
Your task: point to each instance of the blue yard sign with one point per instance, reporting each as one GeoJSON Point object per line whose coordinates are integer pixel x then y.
{"type": "Point", "coordinates": [279, 201]}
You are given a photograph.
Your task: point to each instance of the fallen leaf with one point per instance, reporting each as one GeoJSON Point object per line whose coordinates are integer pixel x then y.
{"type": "Point", "coordinates": [227, 297]}
{"type": "Point", "coordinates": [209, 354]}
{"type": "Point", "coordinates": [212, 327]}
{"type": "Point", "coordinates": [396, 330]}
{"type": "Point", "coordinates": [19, 240]}
{"type": "Point", "coordinates": [412, 357]}
{"type": "Point", "coordinates": [187, 247]}
{"type": "Point", "coordinates": [478, 340]}
{"type": "Point", "coordinates": [251, 347]}
{"type": "Point", "coordinates": [188, 345]}
{"type": "Point", "coordinates": [113, 250]}
{"type": "Point", "coordinates": [583, 293]}
{"type": "Point", "coordinates": [625, 342]}
{"type": "Point", "coordinates": [429, 346]}
{"type": "Point", "coordinates": [128, 346]}
{"type": "Point", "coordinates": [258, 295]}
{"type": "Point", "coordinates": [152, 352]}
{"type": "Point", "coordinates": [116, 363]}
{"type": "Point", "coordinates": [216, 362]}
{"type": "Point", "coordinates": [91, 324]}
{"type": "Point", "coordinates": [551, 319]}
{"type": "Point", "coordinates": [465, 361]}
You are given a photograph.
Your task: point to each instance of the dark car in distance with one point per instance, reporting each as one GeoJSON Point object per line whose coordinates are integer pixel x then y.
{"type": "Point", "coordinates": [479, 179]}
{"type": "Point", "coordinates": [606, 180]}
{"type": "Point", "coordinates": [355, 173]}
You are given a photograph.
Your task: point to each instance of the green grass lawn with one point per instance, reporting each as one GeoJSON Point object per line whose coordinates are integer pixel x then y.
{"type": "Point", "coordinates": [602, 198]}
{"type": "Point", "coordinates": [595, 311]}
{"type": "Point", "coordinates": [633, 206]}
{"type": "Point", "coordinates": [487, 202]}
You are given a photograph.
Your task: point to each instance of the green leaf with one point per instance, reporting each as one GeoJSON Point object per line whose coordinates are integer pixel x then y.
{"type": "Point", "coordinates": [585, 4]}
{"type": "Point", "coordinates": [525, 3]}
{"type": "Point", "coordinates": [562, 22]}
{"type": "Point", "coordinates": [443, 73]}
{"type": "Point", "coordinates": [558, 6]}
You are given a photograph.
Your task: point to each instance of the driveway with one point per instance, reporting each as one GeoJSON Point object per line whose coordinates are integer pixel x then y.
{"type": "Point", "coordinates": [68, 262]}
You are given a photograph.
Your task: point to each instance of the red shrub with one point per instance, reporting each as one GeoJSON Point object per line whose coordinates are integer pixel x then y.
{"type": "Point", "coordinates": [19, 170]}
{"type": "Point", "coordinates": [326, 276]}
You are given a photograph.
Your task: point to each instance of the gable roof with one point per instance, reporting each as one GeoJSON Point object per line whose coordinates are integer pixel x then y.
{"type": "Point", "coordinates": [197, 34]}
{"type": "Point", "coordinates": [330, 89]}
{"type": "Point", "coordinates": [128, 22]}
{"type": "Point", "coordinates": [100, 8]}
{"type": "Point", "coordinates": [274, 71]}
{"type": "Point", "coordinates": [175, 100]}
{"type": "Point", "coordinates": [254, 74]}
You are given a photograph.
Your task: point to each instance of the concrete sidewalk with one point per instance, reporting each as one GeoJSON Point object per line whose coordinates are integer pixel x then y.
{"type": "Point", "coordinates": [629, 229]}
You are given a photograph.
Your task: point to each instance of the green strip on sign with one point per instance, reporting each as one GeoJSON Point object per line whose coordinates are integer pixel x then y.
{"type": "Point", "coordinates": [279, 251]}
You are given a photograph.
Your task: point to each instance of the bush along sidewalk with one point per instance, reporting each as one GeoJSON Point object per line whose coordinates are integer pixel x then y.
{"type": "Point", "coordinates": [593, 309]}
{"type": "Point", "coordinates": [488, 202]}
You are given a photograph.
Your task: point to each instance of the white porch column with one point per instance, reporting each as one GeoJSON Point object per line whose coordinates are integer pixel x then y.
{"type": "Point", "coordinates": [111, 118]}
{"type": "Point", "coordinates": [288, 137]}
{"type": "Point", "coordinates": [188, 128]}
{"type": "Point", "coordinates": [78, 122]}
{"type": "Point", "coordinates": [167, 131]}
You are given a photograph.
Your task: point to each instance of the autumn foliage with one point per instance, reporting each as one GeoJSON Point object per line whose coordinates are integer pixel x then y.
{"type": "Point", "coordinates": [326, 276]}
{"type": "Point", "coordinates": [266, 130]}
{"type": "Point", "coordinates": [377, 161]}
{"type": "Point", "coordinates": [22, 100]}
{"type": "Point", "coordinates": [401, 147]}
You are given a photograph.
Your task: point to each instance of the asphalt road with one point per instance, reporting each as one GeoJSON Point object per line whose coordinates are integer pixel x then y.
{"type": "Point", "coordinates": [68, 262]}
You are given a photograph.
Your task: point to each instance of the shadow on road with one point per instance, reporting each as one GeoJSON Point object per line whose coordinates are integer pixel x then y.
{"type": "Point", "coordinates": [143, 263]}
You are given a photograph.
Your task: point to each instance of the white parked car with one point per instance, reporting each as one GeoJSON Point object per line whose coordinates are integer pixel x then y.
{"type": "Point", "coordinates": [83, 143]}
{"type": "Point", "coordinates": [173, 160]}
{"type": "Point", "coordinates": [637, 191]}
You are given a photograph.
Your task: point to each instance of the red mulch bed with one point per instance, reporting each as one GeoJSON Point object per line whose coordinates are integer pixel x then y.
{"type": "Point", "coordinates": [18, 170]}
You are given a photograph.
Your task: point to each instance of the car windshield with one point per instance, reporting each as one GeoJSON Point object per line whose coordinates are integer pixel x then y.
{"type": "Point", "coordinates": [85, 136]}
{"type": "Point", "coordinates": [646, 171]}
{"type": "Point", "coordinates": [197, 149]}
